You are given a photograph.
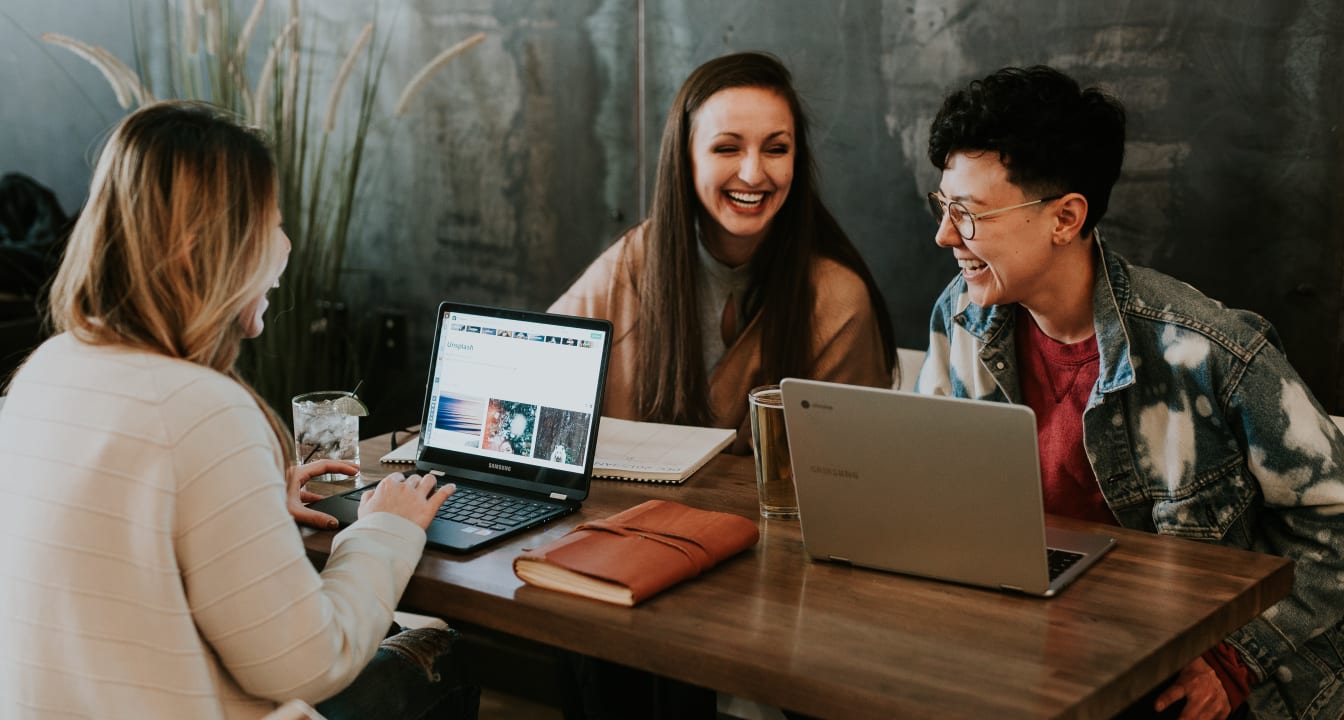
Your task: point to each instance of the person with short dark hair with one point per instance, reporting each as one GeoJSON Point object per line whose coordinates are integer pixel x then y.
{"type": "Point", "coordinates": [1157, 408]}
{"type": "Point", "coordinates": [740, 276]}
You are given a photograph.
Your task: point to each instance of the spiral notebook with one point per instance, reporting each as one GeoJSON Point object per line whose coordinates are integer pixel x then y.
{"type": "Point", "coordinates": [404, 454]}
{"type": "Point", "coordinates": [655, 452]}
{"type": "Point", "coordinates": [635, 451]}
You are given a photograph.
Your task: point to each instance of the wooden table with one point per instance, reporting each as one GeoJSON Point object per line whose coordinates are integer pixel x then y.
{"type": "Point", "coordinates": [834, 641]}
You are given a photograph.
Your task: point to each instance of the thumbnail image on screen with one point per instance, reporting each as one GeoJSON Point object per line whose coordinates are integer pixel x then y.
{"type": "Point", "coordinates": [459, 420]}
{"type": "Point", "coordinates": [510, 426]}
{"type": "Point", "coordinates": [562, 435]}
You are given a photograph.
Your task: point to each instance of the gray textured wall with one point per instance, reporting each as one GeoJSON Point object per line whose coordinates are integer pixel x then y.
{"type": "Point", "coordinates": [525, 157]}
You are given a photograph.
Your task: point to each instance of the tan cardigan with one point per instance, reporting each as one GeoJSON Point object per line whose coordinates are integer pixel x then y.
{"type": "Point", "coordinates": [846, 342]}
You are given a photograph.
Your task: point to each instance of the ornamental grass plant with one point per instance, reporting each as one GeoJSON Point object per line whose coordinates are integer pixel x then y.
{"type": "Point", "coordinates": [313, 340]}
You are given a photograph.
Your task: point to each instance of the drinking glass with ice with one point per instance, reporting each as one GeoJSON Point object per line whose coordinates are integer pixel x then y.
{"type": "Point", "coordinates": [326, 425]}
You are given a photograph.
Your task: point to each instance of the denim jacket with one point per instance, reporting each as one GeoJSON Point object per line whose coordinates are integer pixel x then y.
{"type": "Point", "coordinates": [1197, 427]}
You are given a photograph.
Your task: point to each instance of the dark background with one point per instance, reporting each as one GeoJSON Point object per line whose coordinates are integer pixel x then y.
{"type": "Point", "coordinates": [524, 158]}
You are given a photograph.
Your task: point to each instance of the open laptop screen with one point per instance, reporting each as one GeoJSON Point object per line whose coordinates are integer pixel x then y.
{"type": "Point", "coordinates": [513, 397]}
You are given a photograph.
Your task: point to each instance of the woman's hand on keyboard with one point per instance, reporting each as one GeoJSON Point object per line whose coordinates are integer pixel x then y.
{"type": "Point", "coordinates": [413, 498]}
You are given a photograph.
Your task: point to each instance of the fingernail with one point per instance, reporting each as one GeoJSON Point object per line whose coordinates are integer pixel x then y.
{"type": "Point", "coordinates": [332, 523]}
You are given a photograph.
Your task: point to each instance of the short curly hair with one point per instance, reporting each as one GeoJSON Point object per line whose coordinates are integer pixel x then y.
{"type": "Point", "coordinates": [1053, 136]}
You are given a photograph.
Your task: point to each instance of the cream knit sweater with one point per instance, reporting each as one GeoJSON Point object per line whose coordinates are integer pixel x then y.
{"type": "Point", "coordinates": [149, 567]}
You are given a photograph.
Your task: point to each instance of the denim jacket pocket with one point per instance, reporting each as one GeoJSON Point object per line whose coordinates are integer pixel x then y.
{"type": "Point", "coordinates": [1310, 683]}
{"type": "Point", "coordinates": [1211, 507]}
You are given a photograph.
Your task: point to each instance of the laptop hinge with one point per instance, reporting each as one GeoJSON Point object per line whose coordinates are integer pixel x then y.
{"type": "Point", "coordinates": [558, 496]}
{"type": "Point", "coordinates": [838, 559]}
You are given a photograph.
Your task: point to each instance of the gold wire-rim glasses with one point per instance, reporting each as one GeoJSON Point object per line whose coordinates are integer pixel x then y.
{"type": "Point", "coordinates": [962, 216]}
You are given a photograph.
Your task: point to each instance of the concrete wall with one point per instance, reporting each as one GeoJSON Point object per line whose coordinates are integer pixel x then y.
{"type": "Point", "coordinates": [526, 156]}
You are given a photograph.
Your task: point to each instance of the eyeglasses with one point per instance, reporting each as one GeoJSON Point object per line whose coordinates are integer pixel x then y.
{"type": "Point", "coordinates": [964, 220]}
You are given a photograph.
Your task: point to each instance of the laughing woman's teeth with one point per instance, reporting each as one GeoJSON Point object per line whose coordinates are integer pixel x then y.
{"type": "Point", "coordinates": [971, 265]}
{"type": "Point", "coordinates": [746, 199]}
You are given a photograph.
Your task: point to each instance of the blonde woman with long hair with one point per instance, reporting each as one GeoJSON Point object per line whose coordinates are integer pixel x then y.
{"type": "Point", "coordinates": [152, 565]}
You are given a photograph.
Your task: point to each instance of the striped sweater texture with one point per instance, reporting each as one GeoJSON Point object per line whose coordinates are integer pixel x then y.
{"type": "Point", "coordinates": [150, 568]}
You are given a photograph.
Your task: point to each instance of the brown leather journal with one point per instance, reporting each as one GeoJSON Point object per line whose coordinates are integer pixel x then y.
{"type": "Point", "coordinates": [636, 553]}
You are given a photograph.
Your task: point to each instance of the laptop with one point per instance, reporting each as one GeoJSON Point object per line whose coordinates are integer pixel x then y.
{"type": "Point", "coordinates": [510, 415]}
{"type": "Point", "coordinates": [939, 487]}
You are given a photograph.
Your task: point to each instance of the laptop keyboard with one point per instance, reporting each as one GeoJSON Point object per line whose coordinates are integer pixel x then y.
{"type": "Point", "coordinates": [491, 511]}
{"type": "Point", "coordinates": [1060, 560]}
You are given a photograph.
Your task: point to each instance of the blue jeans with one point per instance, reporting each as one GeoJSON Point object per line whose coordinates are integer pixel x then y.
{"type": "Point", "coordinates": [413, 675]}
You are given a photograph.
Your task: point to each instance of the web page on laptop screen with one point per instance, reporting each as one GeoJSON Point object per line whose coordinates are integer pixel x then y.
{"type": "Point", "coordinates": [512, 389]}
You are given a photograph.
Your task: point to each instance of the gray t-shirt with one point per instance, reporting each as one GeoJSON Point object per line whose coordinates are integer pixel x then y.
{"type": "Point", "coordinates": [718, 282]}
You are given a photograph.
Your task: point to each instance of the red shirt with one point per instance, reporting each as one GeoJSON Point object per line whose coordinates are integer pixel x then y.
{"type": "Point", "coordinates": [1056, 380]}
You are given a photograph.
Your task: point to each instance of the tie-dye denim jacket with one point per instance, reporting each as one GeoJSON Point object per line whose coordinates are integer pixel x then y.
{"type": "Point", "coordinates": [1197, 427]}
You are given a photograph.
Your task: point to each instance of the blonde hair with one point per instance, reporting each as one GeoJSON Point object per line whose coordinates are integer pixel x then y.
{"type": "Point", "coordinates": [175, 241]}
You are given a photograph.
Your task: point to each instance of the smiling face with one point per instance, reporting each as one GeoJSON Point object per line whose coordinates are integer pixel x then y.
{"type": "Point", "coordinates": [1010, 259]}
{"type": "Point", "coordinates": [252, 318]}
{"type": "Point", "coordinates": [742, 155]}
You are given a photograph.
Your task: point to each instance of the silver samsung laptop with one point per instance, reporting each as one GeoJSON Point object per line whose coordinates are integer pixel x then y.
{"type": "Point", "coordinates": [939, 487]}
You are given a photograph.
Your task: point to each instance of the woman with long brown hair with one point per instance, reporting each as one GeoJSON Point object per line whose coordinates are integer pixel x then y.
{"type": "Point", "coordinates": [152, 565]}
{"type": "Point", "coordinates": [740, 276]}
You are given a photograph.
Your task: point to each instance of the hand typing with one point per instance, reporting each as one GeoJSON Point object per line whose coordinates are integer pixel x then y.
{"type": "Point", "coordinates": [413, 498]}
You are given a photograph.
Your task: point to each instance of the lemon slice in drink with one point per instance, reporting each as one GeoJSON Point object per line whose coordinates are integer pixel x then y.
{"type": "Point", "coordinates": [350, 405]}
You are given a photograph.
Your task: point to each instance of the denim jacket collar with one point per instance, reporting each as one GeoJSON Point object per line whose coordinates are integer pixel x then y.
{"type": "Point", "coordinates": [1110, 293]}
{"type": "Point", "coordinates": [993, 326]}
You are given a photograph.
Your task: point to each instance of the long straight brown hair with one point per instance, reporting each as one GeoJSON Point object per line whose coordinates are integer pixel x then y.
{"type": "Point", "coordinates": [175, 242]}
{"type": "Point", "coordinates": [672, 385]}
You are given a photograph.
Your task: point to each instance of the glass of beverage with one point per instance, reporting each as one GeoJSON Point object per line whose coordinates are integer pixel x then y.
{"type": "Point", "coordinates": [326, 425]}
{"type": "Point", "coordinates": [774, 473]}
